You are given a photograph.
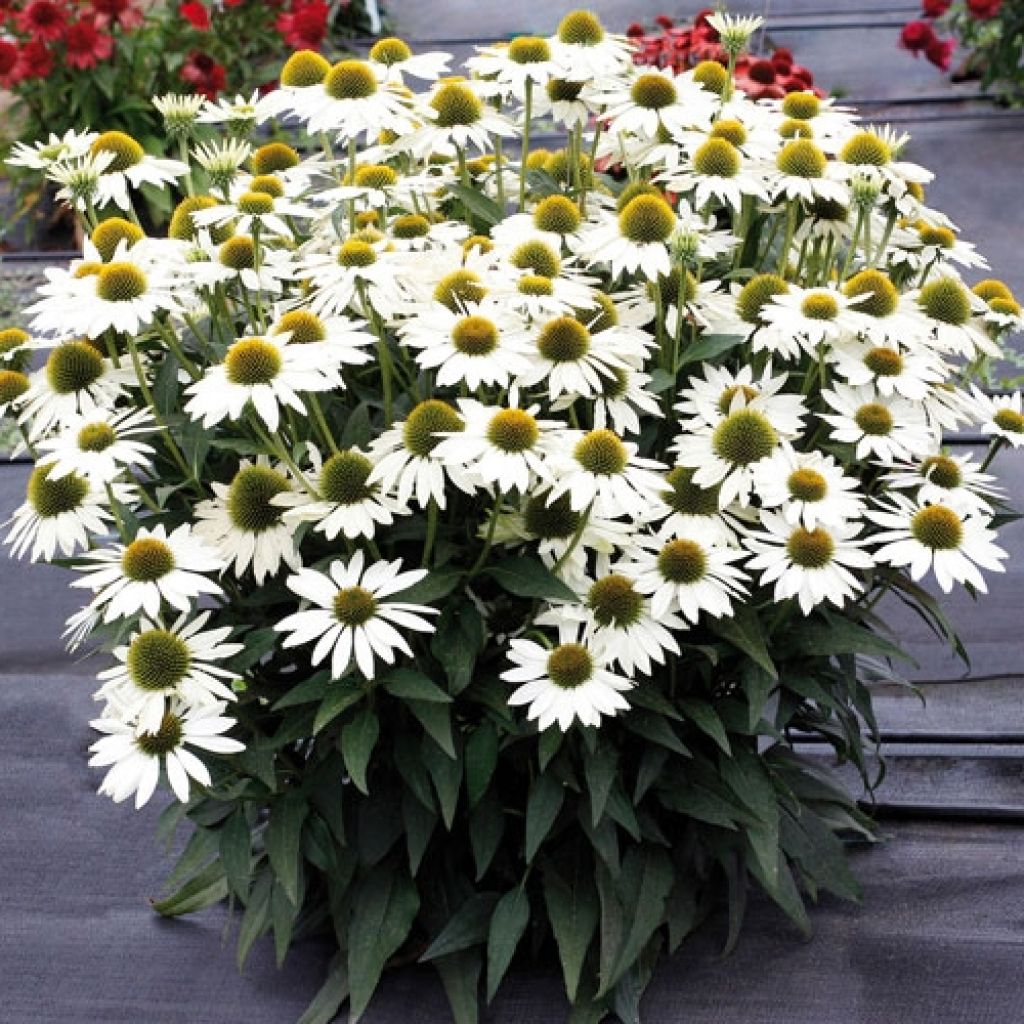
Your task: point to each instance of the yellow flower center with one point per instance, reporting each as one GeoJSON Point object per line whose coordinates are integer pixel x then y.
{"type": "Point", "coordinates": [801, 105]}
{"type": "Point", "coordinates": [513, 430]}
{"type": "Point", "coordinates": [882, 296]}
{"type": "Point", "coordinates": [96, 437]}
{"type": "Point", "coordinates": [806, 484]}
{"type": "Point", "coordinates": [744, 437]}
{"type": "Point", "coordinates": [52, 498]}
{"type": "Point", "coordinates": [580, 28]}
{"type": "Point", "coordinates": [182, 227]}
{"type": "Point", "coordinates": [238, 253]}
{"type": "Point", "coordinates": [72, 367]}
{"type": "Point", "coordinates": [538, 257]}
{"type": "Point", "coordinates": [110, 233]}
{"type": "Point", "coordinates": [683, 562]}
{"type": "Point", "coordinates": [942, 471]}
{"type": "Point", "coordinates": [390, 50]}
{"type": "Point", "coordinates": [874, 419]}
{"type": "Point", "coordinates": [410, 225]}
{"type": "Point", "coordinates": [457, 289]}
{"type": "Point", "coordinates": [252, 361]}
{"type": "Point", "coordinates": [759, 290]}
{"type": "Point", "coordinates": [273, 157]}
{"type": "Point", "coordinates": [354, 606]}
{"type": "Point", "coordinates": [426, 422]}
{"type": "Point", "coordinates": [937, 527]}
{"type": "Point", "coordinates": [946, 300]}
{"type": "Point", "coordinates": [820, 306]}
{"type": "Point", "coordinates": [653, 92]}
{"type": "Point", "coordinates": [601, 453]}
{"type": "Point", "coordinates": [456, 104]}
{"type": "Point", "coordinates": [304, 327]}
{"type": "Point", "coordinates": [529, 50]}
{"type": "Point", "coordinates": [303, 69]}
{"type": "Point", "coordinates": [730, 130]}
{"type": "Point", "coordinates": [127, 152]}
{"type": "Point", "coordinates": [13, 384]}
{"type": "Point", "coordinates": [1009, 420]}
{"type": "Point", "coordinates": [350, 80]}
{"type": "Point", "coordinates": [354, 252]}
{"type": "Point", "coordinates": [563, 340]}
{"type": "Point", "coordinates": [343, 478]}
{"type": "Point", "coordinates": [866, 149]}
{"type": "Point", "coordinates": [614, 601]}
{"type": "Point", "coordinates": [717, 158]}
{"type": "Point", "coordinates": [801, 158]}
{"type": "Point", "coordinates": [557, 214]}
{"type": "Point", "coordinates": [249, 497]}
{"type": "Point", "coordinates": [810, 549]}
{"type": "Point", "coordinates": [647, 219]}
{"type": "Point", "coordinates": [475, 336]}
{"type": "Point", "coordinates": [146, 560]}
{"type": "Point", "coordinates": [158, 660]}
{"type": "Point", "coordinates": [167, 738]}
{"type": "Point", "coordinates": [256, 204]}
{"type": "Point", "coordinates": [120, 282]}
{"type": "Point", "coordinates": [570, 666]}
{"type": "Point", "coordinates": [710, 75]}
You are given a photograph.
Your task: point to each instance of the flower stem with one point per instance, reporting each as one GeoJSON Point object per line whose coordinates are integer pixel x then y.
{"type": "Point", "coordinates": [525, 152]}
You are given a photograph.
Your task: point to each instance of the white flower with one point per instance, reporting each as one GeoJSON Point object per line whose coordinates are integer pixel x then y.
{"type": "Point", "coordinates": [131, 167]}
{"type": "Point", "coordinates": [585, 51]}
{"type": "Point", "coordinates": [936, 537]}
{"type": "Point", "coordinates": [135, 755]}
{"type": "Point", "coordinates": [40, 156]}
{"type": "Point", "coordinates": [655, 99]}
{"type": "Point", "coordinates": [568, 682]}
{"type": "Point", "coordinates": [525, 59]}
{"type": "Point", "coordinates": [953, 480]}
{"type": "Point", "coordinates": [690, 574]}
{"type": "Point", "coordinates": [884, 427]}
{"type": "Point", "coordinates": [156, 567]}
{"type": "Point", "coordinates": [454, 116]}
{"type": "Point", "coordinates": [802, 318]}
{"type": "Point", "coordinates": [100, 445]}
{"type": "Point", "coordinates": [716, 172]}
{"type": "Point", "coordinates": [1000, 416]}
{"type": "Point", "coordinates": [811, 564]}
{"type": "Point", "coordinates": [623, 397]}
{"type": "Point", "coordinates": [60, 515]}
{"type": "Point", "coordinates": [808, 488]}
{"type": "Point", "coordinates": [350, 619]}
{"type": "Point", "coordinates": [706, 402]}
{"type": "Point", "coordinates": [345, 502]}
{"type": "Point", "coordinates": [247, 526]}
{"type": "Point", "coordinates": [161, 663]}
{"type": "Point", "coordinates": [266, 372]}
{"type": "Point", "coordinates": [636, 240]}
{"type": "Point", "coordinates": [393, 60]}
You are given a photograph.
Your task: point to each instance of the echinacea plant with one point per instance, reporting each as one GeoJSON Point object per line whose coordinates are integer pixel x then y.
{"type": "Point", "coordinates": [480, 541]}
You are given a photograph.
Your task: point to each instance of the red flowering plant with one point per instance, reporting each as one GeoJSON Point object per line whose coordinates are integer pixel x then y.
{"type": "Point", "coordinates": [68, 65]}
{"type": "Point", "coordinates": [768, 74]}
{"type": "Point", "coordinates": [991, 32]}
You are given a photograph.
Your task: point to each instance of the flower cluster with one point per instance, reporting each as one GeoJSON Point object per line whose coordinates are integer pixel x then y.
{"type": "Point", "coordinates": [683, 47]}
{"type": "Point", "coordinates": [989, 29]}
{"type": "Point", "coordinates": [396, 433]}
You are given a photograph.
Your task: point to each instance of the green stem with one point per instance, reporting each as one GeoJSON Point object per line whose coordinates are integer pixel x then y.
{"type": "Point", "coordinates": [527, 115]}
{"type": "Point", "coordinates": [492, 525]}
{"type": "Point", "coordinates": [997, 443]}
{"type": "Point", "coordinates": [574, 542]}
{"type": "Point", "coordinates": [172, 343]}
{"type": "Point", "coordinates": [428, 545]}
{"type": "Point", "coordinates": [321, 421]}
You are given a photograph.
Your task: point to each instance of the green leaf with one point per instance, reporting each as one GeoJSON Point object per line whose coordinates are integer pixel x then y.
{"type": "Point", "coordinates": [384, 906]}
{"type": "Point", "coordinates": [460, 975]}
{"type": "Point", "coordinates": [236, 853]}
{"type": "Point", "coordinates": [467, 927]}
{"type": "Point", "coordinates": [542, 807]}
{"type": "Point", "coordinates": [704, 716]}
{"type": "Point", "coordinates": [483, 208]}
{"type": "Point", "coordinates": [838, 635]}
{"type": "Point", "coordinates": [307, 692]}
{"type": "Point", "coordinates": [282, 840]}
{"type": "Point", "coordinates": [779, 884]}
{"type": "Point", "coordinates": [486, 828]}
{"type": "Point", "coordinates": [409, 684]}
{"type": "Point", "coordinates": [282, 916]}
{"type": "Point", "coordinates": [419, 827]}
{"type": "Point", "coordinates": [744, 631]}
{"type": "Point", "coordinates": [600, 770]}
{"type": "Point", "coordinates": [573, 913]}
{"type": "Point", "coordinates": [436, 719]}
{"type": "Point", "coordinates": [338, 697]}
{"type": "Point", "coordinates": [654, 728]}
{"type": "Point", "coordinates": [529, 577]}
{"type": "Point", "coordinates": [358, 739]}
{"type": "Point", "coordinates": [446, 774]}
{"type": "Point", "coordinates": [199, 851]}
{"type": "Point", "coordinates": [509, 921]}
{"type": "Point", "coordinates": [357, 431]}
{"type": "Point", "coordinates": [481, 760]}
{"type": "Point", "coordinates": [208, 887]}
{"type": "Point", "coordinates": [435, 585]}
{"type": "Point", "coordinates": [256, 919]}
{"type": "Point", "coordinates": [709, 346]}
{"type": "Point", "coordinates": [334, 991]}
{"type": "Point", "coordinates": [661, 380]}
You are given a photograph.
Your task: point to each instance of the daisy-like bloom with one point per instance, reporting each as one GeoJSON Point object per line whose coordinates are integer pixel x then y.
{"type": "Point", "coordinates": [395, 60]}
{"type": "Point", "coordinates": [100, 445]}
{"type": "Point", "coordinates": [510, 66]}
{"type": "Point", "coordinates": [156, 567]}
{"type": "Point", "coordinates": [568, 103]}
{"type": "Point", "coordinates": [352, 100]}
{"type": "Point", "coordinates": [76, 381]}
{"type": "Point", "coordinates": [937, 537]}
{"type": "Point", "coordinates": [79, 178]}
{"type": "Point", "coordinates": [507, 447]}
{"type": "Point", "coordinates": [569, 681]}
{"type": "Point", "coordinates": [570, 359]}
{"type": "Point", "coordinates": [345, 502]}
{"type": "Point", "coordinates": [266, 372]}
{"type": "Point", "coordinates": [801, 173]}
{"type": "Point", "coordinates": [1000, 416]}
{"type": "Point", "coordinates": [246, 525]}
{"type": "Point", "coordinates": [617, 620]}
{"type": "Point", "coordinates": [689, 574]}
{"type": "Point", "coordinates": [455, 116]}
{"type": "Point", "coordinates": [655, 99]}
{"type": "Point", "coordinates": [953, 480]}
{"type": "Point", "coordinates": [352, 620]}
{"type": "Point", "coordinates": [179, 111]}
{"type": "Point", "coordinates": [716, 172]}
{"type": "Point", "coordinates": [1003, 311]}
{"type": "Point", "coordinates": [801, 319]}
{"type": "Point", "coordinates": [952, 312]}
{"type": "Point", "coordinates": [131, 167]}
{"type": "Point", "coordinates": [623, 397]}
{"type": "Point", "coordinates": [40, 156]}
{"type": "Point", "coordinates": [706, 402]}
{"type": "Point", "coordinates": [240, 114]}
{"type": "Point", "coordinates": [585, 51]}
{"type": "Point", "coordinates": [135, 755]}
{"type": "Point", "coordinates": [884, 427]}
{"type": "Point", "coordinates": [59, 515]}
{"type": "Point", "coordinates": [734, 31]}
{"type": "Point", "coordinates": [636, 240]}
{"type": "Point", "coordinates": [14, 386]}
{"type": "Point", "coordinates": [884, 314]}
{"type": "Point", "coordinates": [160, 663]}
{"type": "Point", "coordinates": [876, 150]}
{"type": "Point", "coordinates": [483, 344]}
{"type": "Point", "coordinates": [555, 220]}
{"type": "Point", "coordinates": [255, 210]}
{"type": "Point", "coordinates": [728, 454]}
{"type": "Point", "coordinates": [405, 460]}
{"type": "Point", "coordinates": [333, 341]}
{"type": "Point", "coordinates": [808, 488]}
{"type": "Point", "coordinates": [301, 73]}
{"type": "Point", "coordinates": [891, 368]}
{"type": "Point", "coordinates": [687, 509]}
{"type": "Point", "coordinates": [222, 160]}
{"type": "Point", "coordinates": [930, 244]}
{"type": "Point", "coordinates": [15, 348]}
{"type": "Point", "coordinates": [605, 473]}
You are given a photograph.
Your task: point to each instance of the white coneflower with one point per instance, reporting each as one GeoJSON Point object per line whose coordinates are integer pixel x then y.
{"type": "Point", "coordinates": [808, 488]}
{"type": "Point", "coordinates": [135, 755]}
{"type": "Point", "coordinates": [655, 99]}
{"type": "Point", "coordinates": [222, 160]}
{"type": "Point", "coordinates": [156, 567]}
{"type": "Point", "coordinates": [942, 479]}
{"type": "Point", "coordinates": [717, 172]}
{"type": "Point", "coordinates": [801, 172]}
{"type": "Point", "coordinates": [245, 524]}
{"type": "Point", "coordinates": [79, 178]}
{"type": "Point", "coordinates": [923, 537]}
{"type": "Point", "coordinates": [179, 111]}
{"type": "Point", "coordinates": [567, 682]}
{"type": "Point", "coordinates": [261, 210]}
{"type": "Point", "coordinates": [687, 509]}
{"type": "Point", "coordinates": [585, 51]}
{"type": "Point", "coordinates": [455, 117]}
{"type": "Point", "coordinates": [623, 397]}
{"type": "Point", "coordinates": [954, 315]}
{"type": "Point", "coordinates": [395, 60]}
{"type": "Point", "coordinates": [352, 620]}
{"type": "Point", "coordinates": [883, 427]}
{"type": "Point", "coordinates": [511, 66]}
{"type": "Point", "coordinates": [891, 368]}
{"type": "Point", "coordinates": [100, 445]}
{"type": "Point", "coordinates": [636, 240]}
{"type": "Point", "coordinates": [1000, 416]}
{"type": "Point", "coordinates": [811, 564]}
{"type": "Point", "coordinates": [55, 149]}
{"type": "Point", "coordinates": [161, 663]}
{"type": "Point", "coordinates": [131, 166]}
{"type": "Point", "coordinates": [734, 31]}
{"type": "Point", "coordinates": [801, 319]}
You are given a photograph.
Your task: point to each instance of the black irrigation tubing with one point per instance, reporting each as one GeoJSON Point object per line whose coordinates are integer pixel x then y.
{"type": "Point", "coordinates": [929, 739]}
{"type": "Point", "coordinates": [965, 813]}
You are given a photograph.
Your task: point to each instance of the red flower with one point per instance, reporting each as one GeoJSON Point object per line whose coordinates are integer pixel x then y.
{"type": "Point", "coordinates": [42, 19]}
{"type": "Point", "coordinates": [120, 11]}
{"type": "Point", "coordinates": [8, 63]}
{"type": "Point", "coordinates": [204, 74]}
{"type": "Point", "coordinates": [195, 14]}
{"type": "Point", "coordinates": [304, 27]}
{"type": "Point", "coordinates": [86, 46]}
{"type": "Point", "coordinates": [635, 30]}
{"type": "Point", "coordinates": [664, 21]}
{"type": "Point", "coordinates": [34, 61]}
{"type": "Point", "coordinates": [940, 53]}
{"type": "Point", "coordinates": [935, 8]}
{"type": "Point", "coordinates": [232, 3]}
{"type": "Point", "coordinates": [984, 8]}
{"type": "Point", "coordinates": [917, 36]}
